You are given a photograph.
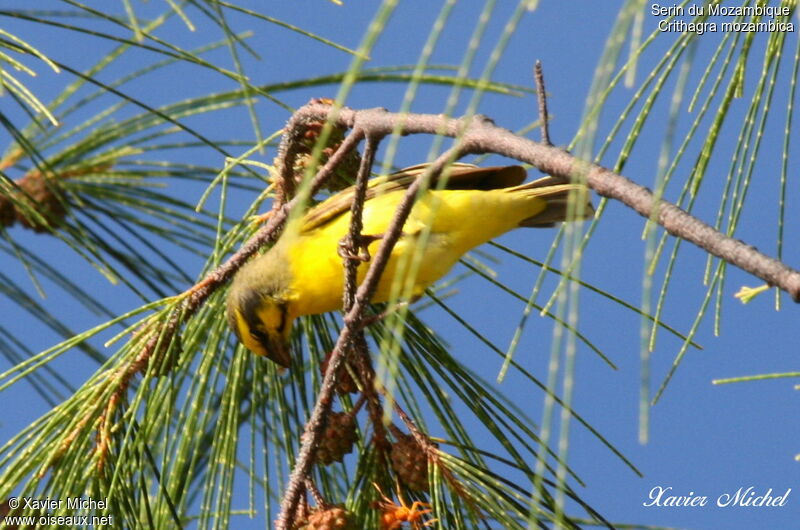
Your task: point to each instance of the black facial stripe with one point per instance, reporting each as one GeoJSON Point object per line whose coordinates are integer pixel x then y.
{"type": "Point", "coordinates": [284, 310]}
{"type": "Point", "coordinates": [249, 308]}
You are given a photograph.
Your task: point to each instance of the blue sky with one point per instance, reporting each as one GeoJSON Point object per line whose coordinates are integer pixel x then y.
{"type": "Point", "coordinates": [705, 439]}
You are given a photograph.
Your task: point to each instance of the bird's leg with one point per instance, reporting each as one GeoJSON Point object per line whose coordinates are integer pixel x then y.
{"type": "Point", "coordinates": [357, 248]}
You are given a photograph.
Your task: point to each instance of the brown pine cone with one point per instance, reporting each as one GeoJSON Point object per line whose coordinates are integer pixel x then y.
{"type": "Point", "coordinates": [333, 518]}
{"type": "Point", "coordinates": [338, 438]}
{"type": "Point", "coordinates": [345, 173]}
{"type": "Point", "coordinates": [410, 463]}
{"type": "Point", "coordinates": [39, 194]}
{"type": "Point", "coordinates": [344, 381]}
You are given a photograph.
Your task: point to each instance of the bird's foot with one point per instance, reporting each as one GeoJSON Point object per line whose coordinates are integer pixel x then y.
{"type": "Point", "coordinates": [357, 249]}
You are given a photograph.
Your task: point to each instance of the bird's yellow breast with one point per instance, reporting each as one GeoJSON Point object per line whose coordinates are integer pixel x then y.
{"type": "Point", "coordinates": [442, 226]}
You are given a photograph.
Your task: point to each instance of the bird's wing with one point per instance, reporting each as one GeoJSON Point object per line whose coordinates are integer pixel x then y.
{"type": "Point", "coordinates": [461, 177]}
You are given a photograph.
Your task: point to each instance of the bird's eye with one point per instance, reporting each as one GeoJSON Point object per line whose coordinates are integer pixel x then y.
{"type": "Point", "coordinates": [259, 336]}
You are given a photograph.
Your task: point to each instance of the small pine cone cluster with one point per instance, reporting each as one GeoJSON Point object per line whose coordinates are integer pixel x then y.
{"type": "Point", "coordinates": [410, 463]}
{"type": "Point", "coordinates": [344, 381]}
{"type": "Point", "coordinates": [345, 172]}
{"type": "Point", "coordinates": [39, 194]}
{"type": "Point", "coordinates": [333, 518]}
{"type": "Point", "coordinates": [338, 438]}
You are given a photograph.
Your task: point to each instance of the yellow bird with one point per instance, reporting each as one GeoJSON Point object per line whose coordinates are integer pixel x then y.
{"type": "Point", "coordinates": [302, 273]}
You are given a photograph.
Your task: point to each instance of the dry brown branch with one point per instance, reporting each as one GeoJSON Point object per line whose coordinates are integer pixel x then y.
{"type": "Point", "coordinates": [479, 135]}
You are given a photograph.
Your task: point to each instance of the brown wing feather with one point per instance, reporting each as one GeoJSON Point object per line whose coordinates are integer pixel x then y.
{"type": "Point", "coordinates": [462, 177]}
{"type": "Point", "coordinates": [556, 192]}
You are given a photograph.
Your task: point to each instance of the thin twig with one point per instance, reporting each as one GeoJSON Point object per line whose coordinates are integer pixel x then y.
{"type": "Point", "coordinates": [374, 406]}
{"type": "Point", "coordinates": [357, 406]}
{"type": "Point", "coordinates": [359, 348]}
{"type": "Point", "coordinates": [418, 435]}
{"type": "Point", "coordinates": [352, 241]}
{"type": "Point", "coordinates": [541, 96]}
{"type": "Point", "coordinates": [318, 498]}
{"type": "Point", "coordinates": [430, 449]}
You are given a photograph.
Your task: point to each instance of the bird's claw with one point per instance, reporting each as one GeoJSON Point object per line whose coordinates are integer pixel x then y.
{"type": "Point", "coordinates": [357, 249]}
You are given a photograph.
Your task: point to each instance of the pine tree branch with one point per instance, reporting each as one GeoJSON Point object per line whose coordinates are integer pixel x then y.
{"type": "Point", "coordinates": [479, 135]}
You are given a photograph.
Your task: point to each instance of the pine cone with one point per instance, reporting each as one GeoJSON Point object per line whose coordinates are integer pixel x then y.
{"type": "Point", "coordinates": [333, 518]}
{"type": "Point", "coordinates": [345, 172]}
{"type": "Point", "coordinates": [344, 381]}
{"type": "Point", "coordinates": [410, 463]}
{"type": "Point", "coordinates": [338, 438]}
{"type": "Point", "coordinates": [39, 194]}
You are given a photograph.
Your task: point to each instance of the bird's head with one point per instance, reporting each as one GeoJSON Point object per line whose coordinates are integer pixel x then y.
{"type": "Point", "coordinates": [259, 309]}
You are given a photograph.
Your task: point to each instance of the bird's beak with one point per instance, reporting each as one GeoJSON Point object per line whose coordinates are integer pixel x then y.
{"type": "Point", "coordinates": [277, 349]}
{"type": "Point", "coordinates": [273, 347]}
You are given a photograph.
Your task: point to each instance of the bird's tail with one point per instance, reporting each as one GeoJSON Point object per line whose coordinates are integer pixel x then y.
{"type": "Point", "coordinates": [558, 195]}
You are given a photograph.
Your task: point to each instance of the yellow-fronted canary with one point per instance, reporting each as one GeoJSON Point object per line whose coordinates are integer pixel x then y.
{"type": "Point", "coordinates": [302, 273]}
